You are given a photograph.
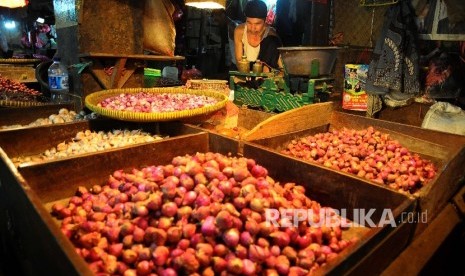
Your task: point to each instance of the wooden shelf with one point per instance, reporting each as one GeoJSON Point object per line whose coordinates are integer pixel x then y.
{"type": "Point", "coordinates": [140, 57]}
{"type": "Point", "coordinates": [123, 66]}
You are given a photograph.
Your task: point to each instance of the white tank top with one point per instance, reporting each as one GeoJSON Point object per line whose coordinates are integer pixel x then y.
{"type": "Point", "coordinates": [250, 51]}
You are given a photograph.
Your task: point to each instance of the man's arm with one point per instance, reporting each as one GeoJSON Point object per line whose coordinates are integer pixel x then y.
{"type": "Point", "coordinates": [238, 48]}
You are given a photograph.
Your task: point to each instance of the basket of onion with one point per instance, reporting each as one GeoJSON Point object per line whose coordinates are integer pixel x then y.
{"type": "Point", "coordinates": [154, 104]}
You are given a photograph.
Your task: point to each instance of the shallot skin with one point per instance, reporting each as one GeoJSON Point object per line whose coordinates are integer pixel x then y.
{"type": "Point", "coordinates": [200, 214]}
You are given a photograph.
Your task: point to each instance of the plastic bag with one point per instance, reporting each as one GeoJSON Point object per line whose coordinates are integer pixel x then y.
{"type": "Point", "coordinates": [159, 29]}
{"type": "Point", "coordinates": [446, 117]}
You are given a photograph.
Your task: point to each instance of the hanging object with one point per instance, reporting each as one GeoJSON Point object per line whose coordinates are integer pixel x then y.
{"type": "Point", "coordinates": [207, 4]}
{"type": "Point", "coordinates": [13, 3]}
{"type": "Point", "coordinates": [375, 3]}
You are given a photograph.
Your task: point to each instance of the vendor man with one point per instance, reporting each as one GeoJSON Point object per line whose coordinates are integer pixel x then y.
{"type": "Point", "coordinates": [255, 39]}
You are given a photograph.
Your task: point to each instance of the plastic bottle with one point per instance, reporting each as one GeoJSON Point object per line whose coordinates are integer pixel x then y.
{"type": "Point", "coordinates": [58, 81]}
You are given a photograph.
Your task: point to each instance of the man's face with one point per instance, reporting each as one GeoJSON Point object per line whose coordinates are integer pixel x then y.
{"type": "Point", "coordinates": [255, 26]}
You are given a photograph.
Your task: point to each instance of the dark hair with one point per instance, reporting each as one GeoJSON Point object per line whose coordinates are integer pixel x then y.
{"type": "Point", "coordinates": [256, 9]}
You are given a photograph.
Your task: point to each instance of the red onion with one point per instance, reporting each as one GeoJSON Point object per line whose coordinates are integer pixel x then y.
{"type": "Point", "coordinates": [282, 264]}
{"type": "Point", "coordinates": [156, 235]}
{"type": "Point", "coordinates": [256, 253]}
{"type": "Point", "coordinates": [240, 173]}
{"type": "Point", "coordinates": [129, 256]}
{"type": "Point", "coordinates": [197, 238]}
{"type": "Point", "coordinates": [280, 238]}
{"type": "Point", "coordinates": [219, 264]}
{"type": "Point", "coordinates": [263, 242]}
{"type": "Point", "coordinates": [174, 234]}
{"type": "Point", "coordinates": [189, 198]}
{"type": "Point", "coordinates": [164, 223]}
{"type": "Point", "coordinates": [217, 195]}
{"type": "Point", "coordinates": [143, 268]}
{"type": "Point", "coordinates": [257, 205]}
{"type": "Point", "coordinates": [235, 266]}
{"type": "Point", "coordinates": [208, 226]}
{"type": "Point", "coordinates": [231, 237]}
{"type": "Point", "coordinates": [160, 255]}
{"type": "Point", "coordinates": [184, 212]}
{"type": "Point", "coordinates": [169, 209]}
{"type": "Point", "coordinates": [249, 267]}
{"type": "Point", "coordinates": [220, 250]}
{"type": "Point", "coordinates": [188, 230]}
{"type": "Point", "coordinates": [224, 220]}
{"type": "Point", "coordinates": [275, 250]}
{"type": "Point", "coordinates": [202, 200]}
{"type": "Point", "coordinates": [183, 244]}
{"type": "Point", "coordinates": [259, 171]}
{"type": "Point", "coordinates": [189, 262]}
{"type": "Point", "coordinates": [246, 239]}
{"type": "Point", "coordinates": [168, 272]}
{"type": "Point", "coordinates": [241, 252]}
{"type": "Point", "coordinates": [138, 234]}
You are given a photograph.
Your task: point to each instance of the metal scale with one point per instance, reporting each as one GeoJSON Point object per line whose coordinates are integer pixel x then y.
{"type": "Point", "coordinates": [307, 79]}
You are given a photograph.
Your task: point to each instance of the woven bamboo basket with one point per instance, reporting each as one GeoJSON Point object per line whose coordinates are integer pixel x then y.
{"type": "Point", "coordinates": [94, 99]}
{"type": "Point", "coordinates": [220, 86]}
{"type": "Point", "coordinates": [18, 60]}
{"type": "Point", "coordinates": [208, 84]}
{"type": "Point", "coordinates": [10, 103]}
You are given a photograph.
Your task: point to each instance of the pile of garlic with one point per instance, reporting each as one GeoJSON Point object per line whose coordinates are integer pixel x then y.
{"type": "Point", "coordinates": [91, 141]}
{"type": "Point", "coordinates": [64, 116]}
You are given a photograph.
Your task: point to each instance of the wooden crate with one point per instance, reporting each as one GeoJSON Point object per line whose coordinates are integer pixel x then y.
{"type": "Point", "coordinates": [50, 136]}
{"type": "Point", "coordinates": [446, 150]}
{"type": "Point", "coordinates": [30, 190]}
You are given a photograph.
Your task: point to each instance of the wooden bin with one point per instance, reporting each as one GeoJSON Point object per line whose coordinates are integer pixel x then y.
{"type": "Point", "coordinates": [34, 235]}
{"type": "Point", "coordinates": [446, 150]}
{"type": "Point", "coordinates": [36, 140]}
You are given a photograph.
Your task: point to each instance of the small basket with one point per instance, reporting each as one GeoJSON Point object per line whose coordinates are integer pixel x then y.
{"type": "Point", "coordinates": [205, 84]}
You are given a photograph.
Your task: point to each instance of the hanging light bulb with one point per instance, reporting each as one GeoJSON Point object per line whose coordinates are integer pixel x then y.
{"type": "Point", "coordinates": [13, 3]}
{"type": "Point", "coordinates": [207, 4]}
{"type": "Point", "coordinates": [10, 24]}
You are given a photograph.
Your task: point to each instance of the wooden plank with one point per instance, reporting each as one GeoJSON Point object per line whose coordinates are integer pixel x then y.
{"type": "Point", "coordinates": [249, 118]}
{"type": "Point", "coordinates": [117, 72]}
{"type": "Point", "coordinates": [292, 120]}
{"type": "Point", "coordinates": [101, 77]}
{"type": "Point", "coordinates": [419, 252]}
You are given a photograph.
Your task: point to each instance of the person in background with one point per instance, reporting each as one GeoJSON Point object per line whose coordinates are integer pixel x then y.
{"type": "Point", "coordinates": [255, 39]}
{"type": "Point", "coordinates": [3, 45]}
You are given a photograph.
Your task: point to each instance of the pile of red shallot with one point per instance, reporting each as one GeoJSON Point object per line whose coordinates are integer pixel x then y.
{"type": "Point", "coordinates": [203, 214]}
{"type": "Point", "coordinates": [17, 91]}
{"type": "Point", "coordinates": [367, 153]}
{"type": "Point", "coordinates": [153, 102]}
